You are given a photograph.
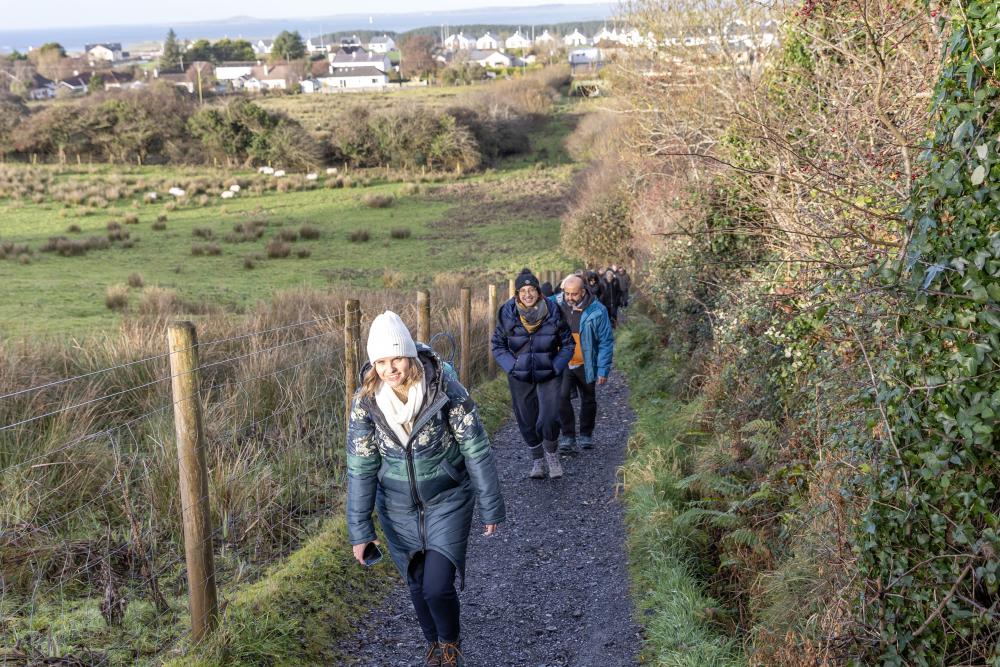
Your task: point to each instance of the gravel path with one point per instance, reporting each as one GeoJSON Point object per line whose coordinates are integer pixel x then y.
{"type": "Point", "coordinates": [551, 589]}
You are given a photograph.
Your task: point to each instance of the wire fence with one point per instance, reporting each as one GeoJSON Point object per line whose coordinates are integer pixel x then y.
{"type": "Point", "coordinates": [93, 561]}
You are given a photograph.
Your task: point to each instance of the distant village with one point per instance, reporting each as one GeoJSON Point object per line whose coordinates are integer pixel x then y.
{"type": "Point", "coordinates": [289, 64]}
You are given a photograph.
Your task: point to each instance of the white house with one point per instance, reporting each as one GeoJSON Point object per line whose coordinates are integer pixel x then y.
{"type": "Point", "coordinates": [233, 71]}
{"type": "Point", "coordinates": [310, 86]}
{"type": "Point", "coordinates": [605, 35]}
{"type": "Point", "coordinates": [357, 78]}
{"type": "Point", "coordinates": [589, 58]}
{"type": "Point", "coordinates": [265, 77]}
{"type": "Point", "coordinates": [490, 58]}
{"type": "Point", "coordinates": [487, 43]}
{"type": "Point", "coordinates": [459, 42]}
{"type": "Point", "coordinates": [575, 38]}
{"type": "Point", "coordinates": [545, 39]}
{"type": "Point", "coordinates": [383, 44]}
{"type": "Point", "coordinates": [316, 48]}
{"type": "Point", "coordinates": [263, 47]}
{"type": "Point", "coordinates": [344, 59]}
{"type": "Point", "coordinates": [631, 37]}
{"type": "Point", "coordinates": [517, 41]}
{"type": "Point", "coordinates": [109, 52]}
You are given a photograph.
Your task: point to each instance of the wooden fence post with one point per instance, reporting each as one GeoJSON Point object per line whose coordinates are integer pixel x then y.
{"type": "Point", "coordinates": [511, 289]}
{"type": "Point", "coordinates": [182, 343]}
{"type": "Point", "coordinates": [492, 314]}
{"type": "Point", "coordinates": [464, 371]}
{"type": "Point", "coordinates": [424, 317]}
{"type": "Point", "coordinates": [352, 361]}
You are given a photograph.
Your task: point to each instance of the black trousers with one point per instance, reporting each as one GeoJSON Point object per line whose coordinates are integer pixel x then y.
{"type": "Point", "coordinates": [577, 377]}
{"type": "Point", "coordinates": [536, 408]}
{"type": "Point", "coordinates": [431, 578]}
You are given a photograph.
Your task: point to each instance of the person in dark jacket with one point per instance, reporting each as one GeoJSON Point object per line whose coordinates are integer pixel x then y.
{"type": "Point", "coordinates": [418, 455]}
{"type": "Point", "coordinates": [591, 363]}
{"type": "Point", "coordinates": [594, 284]}
{"type": "Point", "coordinates": [610, 294]}
{"type": "Point", "coordinates": [546, 289]}
{"type": "Point", "coordinates": [533, 345]}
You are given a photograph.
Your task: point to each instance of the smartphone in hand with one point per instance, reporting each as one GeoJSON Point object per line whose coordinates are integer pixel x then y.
{"type": "Point", "coordinates": [372, 554]}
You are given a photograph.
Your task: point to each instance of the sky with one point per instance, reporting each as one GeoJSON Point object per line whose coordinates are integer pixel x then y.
{"type": "Point", "coordinates": [20, 15]}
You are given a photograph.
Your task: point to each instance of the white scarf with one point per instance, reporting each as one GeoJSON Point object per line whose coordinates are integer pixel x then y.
{"type": "Point", "coordinates": [400, 415]}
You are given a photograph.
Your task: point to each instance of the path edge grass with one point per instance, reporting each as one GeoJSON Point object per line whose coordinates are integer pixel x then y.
{"type": "Point", "coordinates": [295, 614]}
{"type": "Point", "coordinates": [671, 603]}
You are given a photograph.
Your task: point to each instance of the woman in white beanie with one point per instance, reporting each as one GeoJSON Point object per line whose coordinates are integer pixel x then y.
{"type": "Point", "coordinates": [417, 454]}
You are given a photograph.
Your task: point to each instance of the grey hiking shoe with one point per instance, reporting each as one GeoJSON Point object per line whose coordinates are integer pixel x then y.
{"type": "Point", "coordinates": [555, 467]}
{"type": "Point", "coordinates": [586, 441]}
{"type": "Point", "coordinates": [537, 469]}
{"type": "Point", "coordinates": [567, 444]}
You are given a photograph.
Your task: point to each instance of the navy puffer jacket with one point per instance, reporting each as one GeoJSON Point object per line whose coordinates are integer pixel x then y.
{"type": "Point", "coordinates": [537, 357]}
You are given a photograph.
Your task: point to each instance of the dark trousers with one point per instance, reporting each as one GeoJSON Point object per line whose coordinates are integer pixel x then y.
{"type": "Point", "coordinates": [536, 408]}
{"type": "Point", "coordinates": [577, 377]}
{"type": "Point", "coordinates": [431, 578]}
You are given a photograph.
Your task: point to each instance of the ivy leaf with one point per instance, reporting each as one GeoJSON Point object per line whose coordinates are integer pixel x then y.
{"type": "Point", "coordinates": [979, 175]}
{"type": "Point", "coordinates": [982, 150]}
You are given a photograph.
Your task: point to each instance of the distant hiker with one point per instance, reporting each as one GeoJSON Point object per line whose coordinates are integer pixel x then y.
{"type": "Point", "coordinates": [417, 454]}
{"type": "Point", "coordinates": [610, 293]}
{"type": "Point", "coordinates": [546, 289]}
{"type": "Point", "coordinates": [624, 283]}
{"type": "Point", "coordinates": [594, 284]}
{"type": "Point", "coordinates": [533, 345]}
{"type": "Point", "coordinates": [591, 363]}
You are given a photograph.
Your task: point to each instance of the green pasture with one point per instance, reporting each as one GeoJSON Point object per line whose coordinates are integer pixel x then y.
{"type": "Point", "coordinates": [477, 226]}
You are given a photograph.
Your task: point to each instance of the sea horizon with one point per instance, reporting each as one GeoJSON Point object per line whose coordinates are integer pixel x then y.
{"type": "Point", "coordinates": [73, 38]}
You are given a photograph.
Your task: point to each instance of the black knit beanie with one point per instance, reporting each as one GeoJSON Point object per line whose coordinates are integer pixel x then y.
{"type": "Point", "coordinates": [526, 277]}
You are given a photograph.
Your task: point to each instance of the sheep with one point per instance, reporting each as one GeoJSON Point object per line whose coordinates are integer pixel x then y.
{"type": "Point", "coordinates": [151, 196]}
{"type": "Point", "coordinates": [279, 173]}
{"type": "Point", "coordinates": [266, 170]}
{"type": "Point", "coordinates": [177, 192]}
{"type": "Point", "coordinates": [234, 187]}
{"type": "Point", "coordinates": [330, 171]}
{"type": "Point", "coordinates": [311, 177]}
{"type": "Point", "coordinates": [228, 194]}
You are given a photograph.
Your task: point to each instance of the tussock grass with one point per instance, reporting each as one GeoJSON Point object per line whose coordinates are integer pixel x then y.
{"type": "Point", "coordinates": [359, 236]}
{"type": "Point", "coordinates": [664, 550]}
{"type": "Point", "coordinates": [400, 233]}
{"type": "Point", "coordinates": [116, 297]}
{"type": "Point", "coordinates": [378, 200]}
{"type": "Point", "coordinates": [277, 249]}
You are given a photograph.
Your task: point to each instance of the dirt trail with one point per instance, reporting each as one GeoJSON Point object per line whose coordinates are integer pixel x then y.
{"type": "Point", "coordinates": [552, 588]}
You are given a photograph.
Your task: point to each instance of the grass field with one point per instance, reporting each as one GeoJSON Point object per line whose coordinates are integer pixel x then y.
{"type": "Point", "coordinates": [487, 224]}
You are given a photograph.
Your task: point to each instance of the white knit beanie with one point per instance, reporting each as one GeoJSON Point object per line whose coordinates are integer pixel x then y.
{"type": "Point", "coordinates": [389, 337]}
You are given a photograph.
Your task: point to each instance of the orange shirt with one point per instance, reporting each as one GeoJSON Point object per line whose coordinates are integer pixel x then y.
{"type": "Point", "coordinates": [577, 359]}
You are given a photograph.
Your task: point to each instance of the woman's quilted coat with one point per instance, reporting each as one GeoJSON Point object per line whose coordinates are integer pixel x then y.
{"type": "Point", "coordinates": [423, 490]}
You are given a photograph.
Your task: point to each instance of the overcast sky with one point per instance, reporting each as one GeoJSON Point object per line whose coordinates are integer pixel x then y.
{"type": "Point", "coordinates": [21, 15]}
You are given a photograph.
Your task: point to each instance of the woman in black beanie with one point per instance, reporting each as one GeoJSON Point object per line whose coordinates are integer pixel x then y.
{"type": "Point", "coordinates": [533, 344]}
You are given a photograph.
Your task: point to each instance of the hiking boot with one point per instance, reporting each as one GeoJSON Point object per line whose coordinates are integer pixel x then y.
{"type": "Point", "coordinates": [587, 441]}
{"type": "Point", "coordinates": [567, 444]}
{"type": "Point", "coordinates": [433, 658]}
{"type": "Point", "coordinates": [537, 469]}
{"type": "Point", "coordinates": [555, 467]}
{"type": "Point", "coordinates": [451, 655]}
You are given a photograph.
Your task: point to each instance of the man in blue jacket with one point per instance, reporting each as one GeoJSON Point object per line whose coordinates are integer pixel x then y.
{"type": "Point", "coordinates": [533, 345]}
{"type": "Point", "coordinates": [590, 366]}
